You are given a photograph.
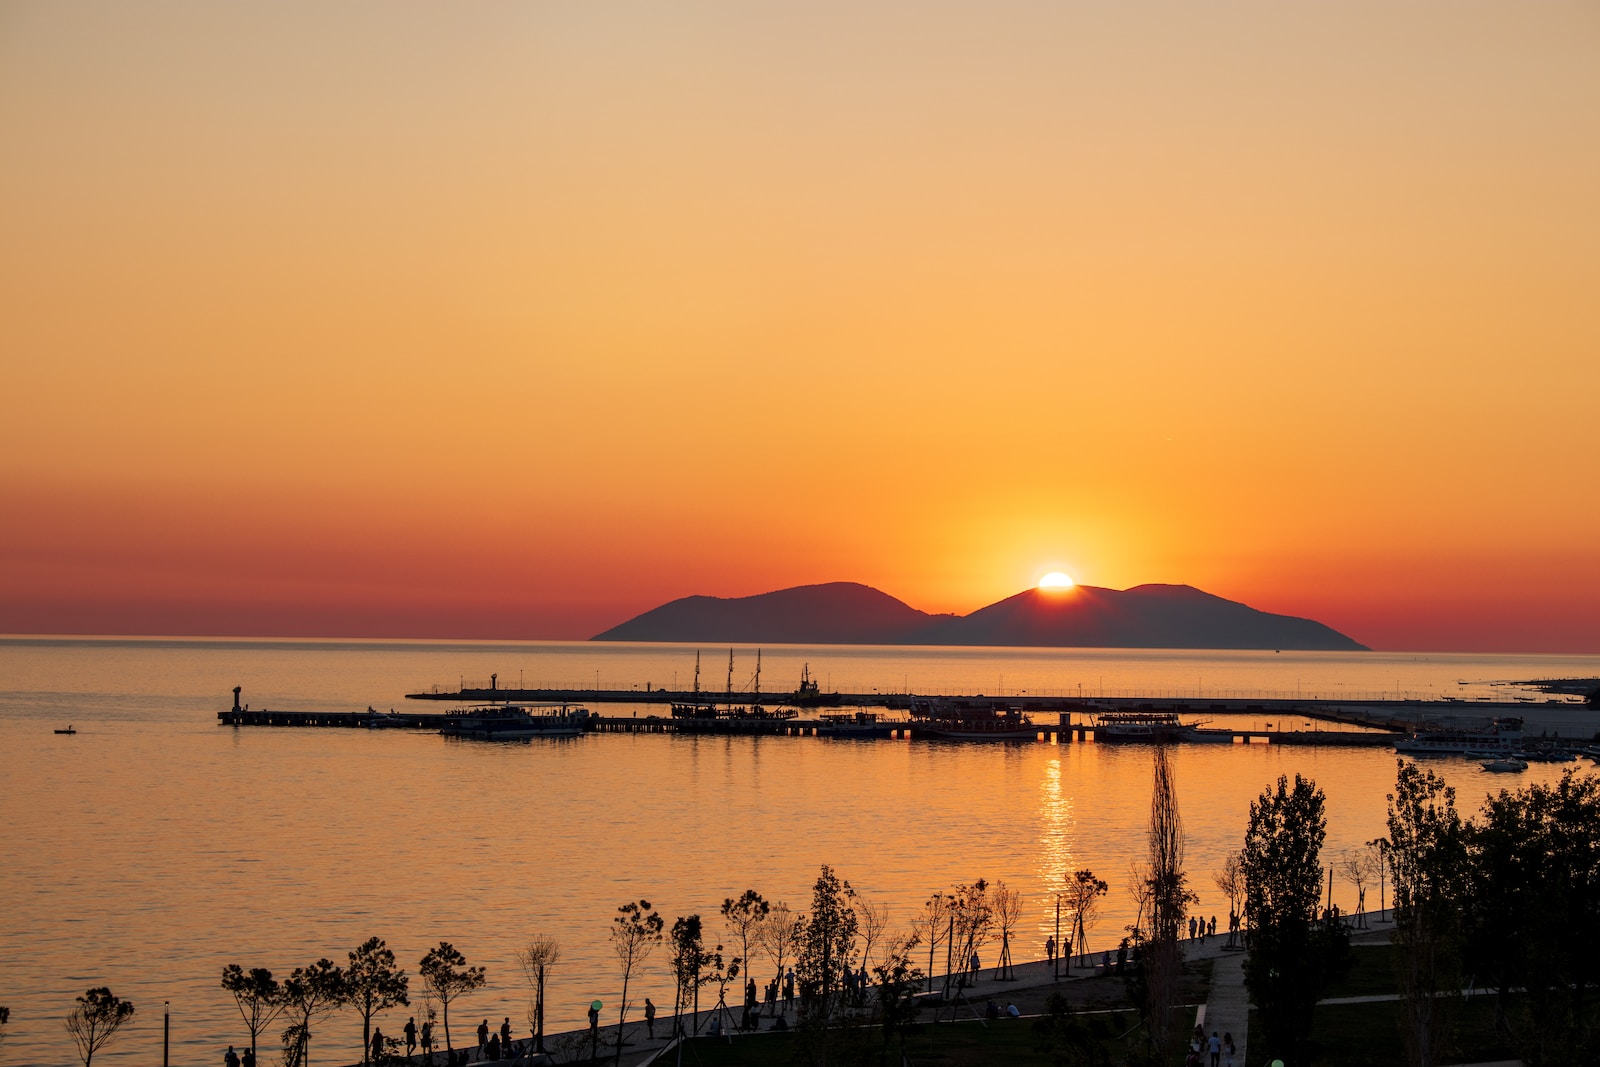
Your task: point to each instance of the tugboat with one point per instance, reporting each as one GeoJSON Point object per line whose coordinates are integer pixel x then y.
{"type": "Point", "coordinates": [966, 721]}
{"type": "Point", "coordinates": [504, 722]}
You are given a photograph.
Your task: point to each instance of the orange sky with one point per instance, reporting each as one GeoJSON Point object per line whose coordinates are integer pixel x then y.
{"type": "Point", "coordinates": [508, 320]}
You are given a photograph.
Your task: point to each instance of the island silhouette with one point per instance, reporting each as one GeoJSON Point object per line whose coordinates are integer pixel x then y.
{"type": "Point", "coordinates": [1085, 616]}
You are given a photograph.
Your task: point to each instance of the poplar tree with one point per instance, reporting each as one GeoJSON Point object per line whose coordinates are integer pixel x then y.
{"type": "Point", "coordinates": [1292, 957]}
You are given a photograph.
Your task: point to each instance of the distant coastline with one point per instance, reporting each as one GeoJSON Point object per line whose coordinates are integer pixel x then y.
{"type": "Point", "coordinates": [848, 613]}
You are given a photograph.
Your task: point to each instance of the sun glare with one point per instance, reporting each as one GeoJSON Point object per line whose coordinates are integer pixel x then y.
{"type": "Point", "coordinates": [1055, 580]}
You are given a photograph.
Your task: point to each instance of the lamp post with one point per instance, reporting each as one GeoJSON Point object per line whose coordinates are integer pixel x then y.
{"type": "Point", "coordinates": [1056, 963]}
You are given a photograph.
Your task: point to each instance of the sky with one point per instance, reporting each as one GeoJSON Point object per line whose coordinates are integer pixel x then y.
{"type": "Point", "coordinates": [513, 320]}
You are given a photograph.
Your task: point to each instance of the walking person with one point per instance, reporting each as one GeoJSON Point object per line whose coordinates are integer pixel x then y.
{"type": "Point", "coordinates": [505, 1034]}
{"type": "Point", "coordinates": [1050, 949]}
{"type": "Point", "coordinates": [483, 1037]}
{"type": "Point", "coordinates": [788, 990]}
{"type": "Point", "coordinates": [1215, 1048]}
{"type": "Point", "coordinates": [975, 966]}
{"type": "Point", "coordinates": [411, 1036]}
{"type": "Point", "coordinates": [1227, 1049]}
{"type": "Point", "coordinates": [650, 1017]}
{"type": "Point", "coordinates": [427, 1040]}
{"type": "Point", "coordinates": [377, 1044]}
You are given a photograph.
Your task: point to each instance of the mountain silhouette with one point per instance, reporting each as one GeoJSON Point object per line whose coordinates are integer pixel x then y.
{"type": "Point", "coordinates": [1085, 616]}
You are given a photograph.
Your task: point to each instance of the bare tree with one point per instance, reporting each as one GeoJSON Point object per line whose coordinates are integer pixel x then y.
{"type": "Point", "coordinates": [445, 972]}
{"type": "Point", "coordinates": [95, 1021]}
{"type": "Point", "coordinates": [779, 935]}
{"type": "Point", "coordinates": [971, 920]}
{"type": "Point", "coordinates": [1229, 880]}
{"type": "Point", "coordinates": [635, 932]}
{"type": "Point", "coordinates": [1007, 905]}
{"type": "Point", "coordinates": [873, 920]}
{"type": "Point", "coordinates": [1139, 884]}
{"type": "Point", "coordinates": [258, 996]}
{"type": "Point", "coordinates": [743, 915]}
{"type": "Point", "coordinates": [1359, 867]}
{"type": "Point", "coordinates": [930, 926]}
{"type": "Point", "coordinates": [537, 960]}
{"type": "Point", "coordinates": [1083, 894]}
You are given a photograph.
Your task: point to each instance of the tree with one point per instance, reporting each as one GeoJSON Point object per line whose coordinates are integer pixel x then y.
{"type": "Point", "coordinates": [258, 996]}
{"type": "Point", "coordinates": [930, 925]}
{"type": "Point", "coordinates": [1359, 867]}
{"type": "Point", "coordinates": [743, 916]}
{"type": "Point", "coordinates": [872, 919]}
{"type": "Point", "coordinates": [1427, 866]}
{"type": "Point", "coordinates": [899, 982]}
{"type": "Point", "coordinates": [1229, 880]}
{"type": "Point", "coordinates": [690, 961]}
{"type": "Point", "coordinates": [1007, 905]}
{"type": "Point", "coordinates": [309, 993]}
{"type": "Point", "coordinates": [635, 932]}
{"type": "Point", "coordinates": [1168, 901]}
{"type": "Point", "coordinates": [95, 1021]}
{"type": "Point", "coordinates": [827, 945]}
{"type": "Point", "coordinates": [445, 972]}
{"type": "Point", "coordinates": [971, 918]}
{"type": "Point", "coordinates": [1083, 897]}
{"type": "Point", "coordinates": [1292, 956]}
{"type": "Point", "coordinates": [537, 960]}
{"type": "Point", "coordinates": [375, 985]}
{"type": "Point", "coordinates": [779, 934]}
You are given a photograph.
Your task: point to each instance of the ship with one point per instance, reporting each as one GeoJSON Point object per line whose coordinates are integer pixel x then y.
{"type": "Point", "coordinates": [960, 720]}
{"type": "Point", "coordinates": [507, 722]}
{"type": "Point", "coordinates": [1147, 727]}
{"type": "Point", "coordinates": [1502, 737]}
{"type": "Point", "coordinates": [857, 724]}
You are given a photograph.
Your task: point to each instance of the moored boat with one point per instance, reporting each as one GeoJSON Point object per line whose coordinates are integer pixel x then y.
{"type": "Point", "coordinates": [1502, 738]}
{"type": "Point", "coordinates": [1148, 727]}
{"type": "Point", "coordinates": [497, 722]}
{"type": "Point", "coordinates": [967, 721]}
{"type": "Point", "coordinates": [859, 724]}
{"type": "Point", "coordinates": [1508, 765]}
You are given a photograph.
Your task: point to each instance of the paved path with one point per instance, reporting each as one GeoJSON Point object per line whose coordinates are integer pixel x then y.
{"type": "Point", "coordinates": [1228, 1006]}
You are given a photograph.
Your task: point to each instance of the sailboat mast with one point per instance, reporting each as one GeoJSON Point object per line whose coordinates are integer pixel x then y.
{"type": "Point", "coordinates": [758, 676]}
{"type": "Point", "coordinates": [697, 672]}
{"type": "Point", "coordinates": [730, 677]}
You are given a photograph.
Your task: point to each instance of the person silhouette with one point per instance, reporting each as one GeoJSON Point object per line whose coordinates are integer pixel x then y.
{"type": "Point", "coordinates": [411, 1036]}
{"type": "Point", "coordinates": [230, 1058]}
{"type": "Point", "coordinates": [650, 1017]}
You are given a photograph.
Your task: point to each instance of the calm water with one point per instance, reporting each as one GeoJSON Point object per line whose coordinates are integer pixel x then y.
{"type": "Point", "coordinates": [155, 847]}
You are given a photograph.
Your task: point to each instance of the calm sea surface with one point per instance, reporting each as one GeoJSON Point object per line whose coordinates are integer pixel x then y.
{"type": "Point", "coordinates": [155, 847]}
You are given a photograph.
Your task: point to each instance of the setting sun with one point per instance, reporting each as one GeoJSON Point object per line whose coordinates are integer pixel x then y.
{"type": "Point", "coordinates": [1055, 580]}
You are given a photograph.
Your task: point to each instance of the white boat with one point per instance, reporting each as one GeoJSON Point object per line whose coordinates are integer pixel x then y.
{"type": "Point", "coordinates": [1505, 766]}
{"type": "Point", "coordinates": [497, 722]}
{"type": "Point", "coordinates": [378, 720]}
{"type": "Point", "coordinates": [1503, 737]}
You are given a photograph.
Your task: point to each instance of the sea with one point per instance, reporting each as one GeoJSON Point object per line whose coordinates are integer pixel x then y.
{"type": "Point", "coordinates": [154, 847]}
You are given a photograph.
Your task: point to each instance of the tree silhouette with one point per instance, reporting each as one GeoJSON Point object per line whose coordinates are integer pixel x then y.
{"type": "Point", "coordinates": [743, 916]}
{"type": "Point", "coordinates": [537, 960]}
{"type": "Point", "coordinates": [1007, 905]}
{"type": "Point", "coordinates": [309, 993]}
{"type": "Point", "coordinates": [95, 1021]}
{"type": "Point", "coordinates": [445, 972]}
{"type": "Point", "coordinates": [827, 946]}
{"type": "Point", "coordinates": [375, 985]}
{"type": "Point", "coordinates": [689, 963]}
{"type": "Point", "coordinates": [258, 996]}
{"type": "Point", "coordinates": [1427, 859]}
{"type": "Point", "coordinates": [779, 935]}
{"type": "Point", "coordinates": [635, 932]}
{"type": "Point", "coordinates": [1083, 895]}
{"type": "Point", "coordinates": [1292, 956]}
{"type": "Point", "coordinates": [1229, 880]}
{"type": "Point", "coordinates": [1169, 900]}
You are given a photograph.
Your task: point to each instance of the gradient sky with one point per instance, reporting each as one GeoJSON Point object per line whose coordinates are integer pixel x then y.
{"type": "Point", "coordinates": [514, 320]}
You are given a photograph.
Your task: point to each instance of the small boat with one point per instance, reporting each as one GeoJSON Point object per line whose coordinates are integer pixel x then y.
{"type": "Point", "coordinates": [1505, 766]}
{"type": "Point", "coordinates": [505, 722]}
{"type": "Point", "coordinates": [68, 730]}
{"type": "Point", "coordinates": [377, 720]}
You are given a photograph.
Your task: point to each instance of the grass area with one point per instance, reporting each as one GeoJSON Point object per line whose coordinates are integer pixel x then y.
{"type": "Point", "coordinates": [1371, 974]}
